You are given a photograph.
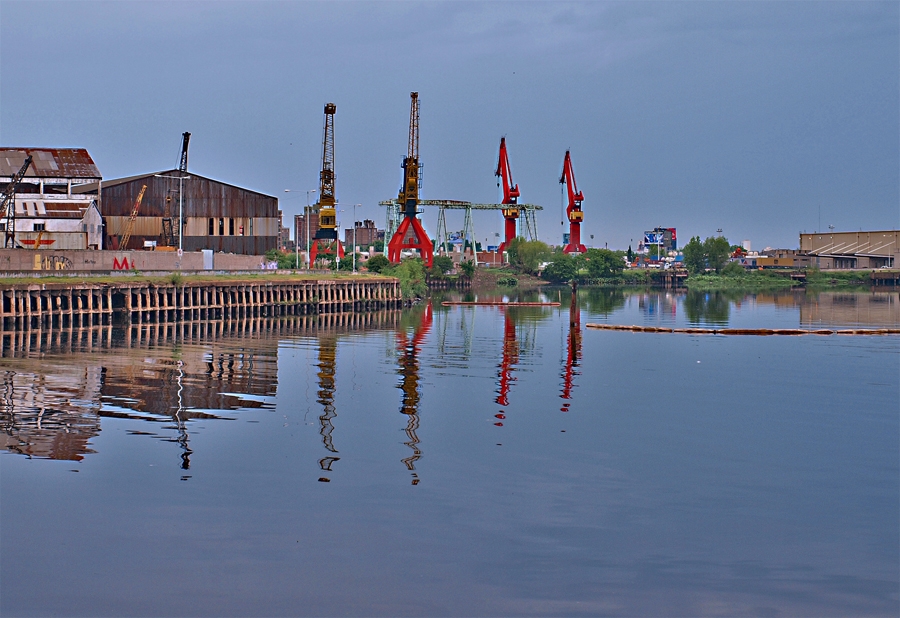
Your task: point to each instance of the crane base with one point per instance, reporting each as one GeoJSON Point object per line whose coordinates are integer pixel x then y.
{"type": "Point", "coordinates": [419, 241]}
{"type": "Point", "coordinates": [573, 248]}
{"type": "Point", "coordinates": [325, 247]}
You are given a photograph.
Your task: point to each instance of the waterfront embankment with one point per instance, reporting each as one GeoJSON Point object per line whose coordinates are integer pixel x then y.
{"type": "Point", "coordinates": [89, 300]}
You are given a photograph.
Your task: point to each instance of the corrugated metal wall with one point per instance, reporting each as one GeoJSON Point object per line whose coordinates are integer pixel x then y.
{"type": "Point", "coordinates": [204, 199]}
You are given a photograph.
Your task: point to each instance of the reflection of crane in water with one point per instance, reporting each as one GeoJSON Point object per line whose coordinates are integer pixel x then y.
{"type": "Point", "coordinates": [507, 364]}
{"type": "Point", "coordinates": [573, 351]}
{"type": "Point", "coordinates": [327, 355]}
{"type": "Point", "coordinates": [409, 348]}
{"type": "Point", "coordinates": [182, 438]}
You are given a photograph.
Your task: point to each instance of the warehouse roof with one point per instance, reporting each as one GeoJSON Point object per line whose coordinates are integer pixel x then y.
{"type": "Point", "coordinates": [63, 163]}
{"type": "Point", "coordinates": [92, 187]}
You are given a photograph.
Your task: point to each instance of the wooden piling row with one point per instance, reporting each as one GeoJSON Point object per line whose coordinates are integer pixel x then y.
{"type": "Point", "coordinates": [84, 303]}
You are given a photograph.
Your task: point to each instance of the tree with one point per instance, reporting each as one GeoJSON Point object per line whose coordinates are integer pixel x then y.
{"type": "Point", "coordinates": [562, 268]}
{"type": "Point", "coordinates": [717, 251]}
{"type": "Point", "coordinates": [468, 268]}
{"type": "Point", "coordinates": [630, 255]}
{"type": "Point", "coordinates": [694, 256]}
{"type": "Point", "coordinates": [377, 263]}
{"type": "Point", "coordinates": [527, 255]}
{"type": "Point", "coordinates": [603, 263]}
{"type": "Point", "coordinates": [442, 264]}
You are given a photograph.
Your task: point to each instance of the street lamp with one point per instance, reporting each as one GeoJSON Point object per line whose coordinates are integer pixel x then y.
{"type": "Point", "coordinates": [180, 180]}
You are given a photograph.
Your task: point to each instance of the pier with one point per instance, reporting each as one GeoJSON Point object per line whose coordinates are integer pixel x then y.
{"type": "Point", "coordinates": [88, 303]}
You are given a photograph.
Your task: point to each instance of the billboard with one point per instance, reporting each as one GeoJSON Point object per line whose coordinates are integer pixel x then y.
{"type": "Point", "coordinates": [663, 237]}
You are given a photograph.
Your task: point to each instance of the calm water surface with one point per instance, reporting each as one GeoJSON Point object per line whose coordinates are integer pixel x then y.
{"type": "Point", "coordinates": [458, 461]}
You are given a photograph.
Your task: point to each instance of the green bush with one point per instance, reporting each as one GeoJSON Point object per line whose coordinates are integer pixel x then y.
{"type": "Point", "coordinates": [377, 263]}
{"type": "Point", "coordinates": [468, 268]}
{"type": "Point", "coordinates": [411, 273]}
{"type": "Point", "coordinates": [733, 269]}
{"type": "Point", "coordinates": [562, 268]}
{"type": "Point", "coordinates": [508, 281]}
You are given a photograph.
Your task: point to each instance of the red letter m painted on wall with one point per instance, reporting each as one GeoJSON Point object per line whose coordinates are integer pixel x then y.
{"type": "Point", "coordinates": [123, 265]}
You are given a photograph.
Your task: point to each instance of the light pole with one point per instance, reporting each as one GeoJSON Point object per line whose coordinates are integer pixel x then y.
{"type": "Point", "coordinates": [180, 180]}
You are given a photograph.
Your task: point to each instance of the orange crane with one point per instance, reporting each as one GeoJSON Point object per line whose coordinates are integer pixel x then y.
{"type": "Point", "coordinates": [326, 240]}
{"type": "Point", "coordinates": [573, 210]}
{"type": "Point", "coordinates": [129, 227]}
{"type": "Point", "coordinates": [510, 196]}
{"type": "Point", "coordinates": [409, 198]}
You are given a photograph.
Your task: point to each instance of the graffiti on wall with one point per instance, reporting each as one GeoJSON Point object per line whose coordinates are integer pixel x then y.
{"type": "Point", "coordinates": [52, 262]}
{"type": "Point", "coordinates": [123, 265]}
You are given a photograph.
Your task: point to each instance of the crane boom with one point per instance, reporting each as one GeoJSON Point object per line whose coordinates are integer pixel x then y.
{"type": "Point", "coordinates": [129, 227]}
{"type": "Point", "coordinates": [8, 205]}
{"type": "Point", "coordinates": [185, 139]}
{"type": "Point", "coordinates": [510, 196]}
{"type": "Point", "coordinates": [409, 197]}
{"type": "Point", "coordinates": [573, 210]}
{"type": "Point", "coordinates": [326, 239]}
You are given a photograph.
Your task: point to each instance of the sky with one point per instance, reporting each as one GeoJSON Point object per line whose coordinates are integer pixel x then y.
{"type": "Point", "coordinates": [762, 119]}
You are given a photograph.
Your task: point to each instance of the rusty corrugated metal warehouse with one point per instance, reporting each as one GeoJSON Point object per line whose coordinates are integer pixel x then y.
{"type": "Point", "coordinates": [217, 215]}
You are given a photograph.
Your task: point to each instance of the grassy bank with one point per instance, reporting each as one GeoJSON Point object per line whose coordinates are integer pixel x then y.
{"type": "Point", "coordinates": [750, 280]}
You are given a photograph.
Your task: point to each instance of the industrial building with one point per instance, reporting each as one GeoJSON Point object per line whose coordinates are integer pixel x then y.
{"type": "Point", "coordinates": [187, 211]}
{"type": "Point", "coordinates": [49, 212]}
{"type": "Point", "coordinates": [852, 249]}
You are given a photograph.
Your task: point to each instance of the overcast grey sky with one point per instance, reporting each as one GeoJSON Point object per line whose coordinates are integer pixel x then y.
{"type": "Point", "coordinates": [752, 117]}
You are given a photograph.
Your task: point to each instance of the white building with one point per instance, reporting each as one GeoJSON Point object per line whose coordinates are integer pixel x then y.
{"type": "Point", "coordinates": [48, 215]}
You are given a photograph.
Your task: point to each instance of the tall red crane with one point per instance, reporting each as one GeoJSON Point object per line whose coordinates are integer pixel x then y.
{"type": "Point", "coordinates": [409, 198]}
{"type": "Point", "coordinates": [510, 196]}
{"type": "Point", "coordinates": [573, 210]}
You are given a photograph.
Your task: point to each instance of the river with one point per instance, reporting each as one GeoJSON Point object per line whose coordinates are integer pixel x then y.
{"type": "Point", "coordinates": [459, 460]}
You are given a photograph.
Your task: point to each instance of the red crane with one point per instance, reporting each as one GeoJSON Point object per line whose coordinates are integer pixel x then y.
{"type": "Point", "coordinates": [573, 210]}
{"type": "Point", "coordinates": [510, 196]}
{"type": "Point", "coordinates": [409, 198]}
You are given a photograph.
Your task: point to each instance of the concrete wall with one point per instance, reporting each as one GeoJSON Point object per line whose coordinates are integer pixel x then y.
{"type": "Point", "coordinates": [25, 260]}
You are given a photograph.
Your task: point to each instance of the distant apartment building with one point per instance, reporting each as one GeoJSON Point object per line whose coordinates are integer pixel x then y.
{"type": "Point", "coordinates": [305, 228]}
{"type": "Point", "coordinates": [366, 233]}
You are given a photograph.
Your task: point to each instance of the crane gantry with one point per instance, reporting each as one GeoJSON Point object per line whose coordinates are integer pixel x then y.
{"type": "Point", "coordinates": [510, 196]}
{"type": "Point", "coordinates": [409, 198]}
{"type": "Point", "coordinates": [573, 210]}
{"type": "Point", "coordinates": [129, 227]}
{"type": "Point", "coordinates": [326, 240]}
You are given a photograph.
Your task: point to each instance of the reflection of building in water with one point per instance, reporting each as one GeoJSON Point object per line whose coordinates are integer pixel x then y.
{"type": "Point", "coordinates": [327, 358]}
{"type": "Point", "coordinates": [507, 364]}
{"type": "Point", "coordinates": [57, 382]}
{"type": "Point", "coordinates": [573, 352]}
{"type": "Point", "coordinates": [657, 305]}
{"type": "Point", "coordinates": [50, 415]}
{"type": "Point", "coordinates": [409, 348]}
{"type": "Point", "coordinates": [851, 309]}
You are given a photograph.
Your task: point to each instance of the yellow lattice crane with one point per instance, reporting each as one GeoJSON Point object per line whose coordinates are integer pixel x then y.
{"type": "Point", "coordinates": [129, 227]}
